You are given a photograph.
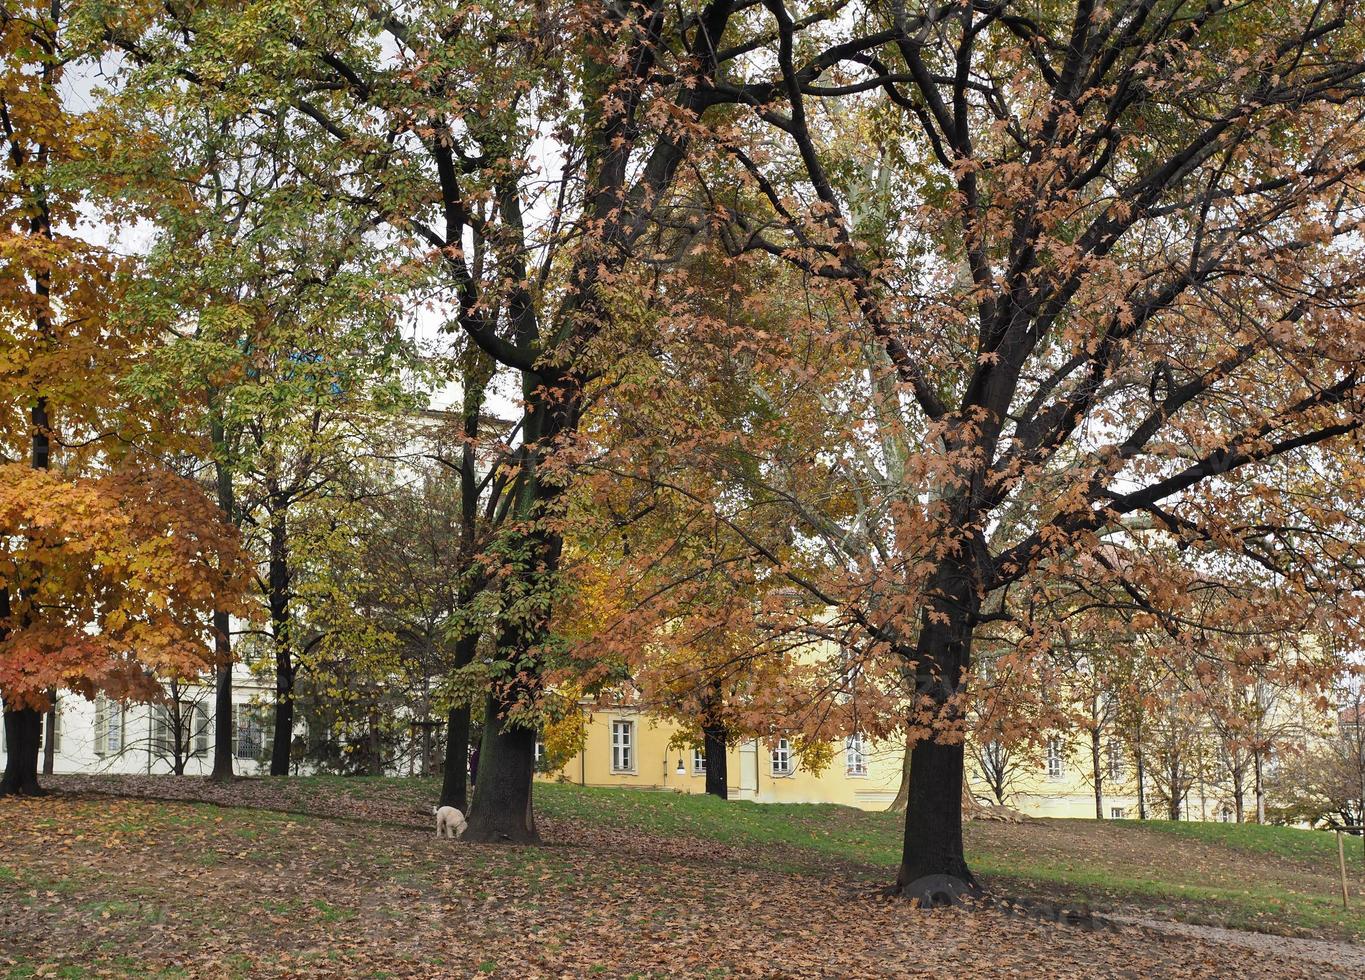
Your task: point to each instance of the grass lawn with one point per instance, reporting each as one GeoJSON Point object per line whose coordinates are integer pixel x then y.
{"type": "Point", "coordinates": [1273, 879]}
{"type": "Point", "coordinates": [352, 882]}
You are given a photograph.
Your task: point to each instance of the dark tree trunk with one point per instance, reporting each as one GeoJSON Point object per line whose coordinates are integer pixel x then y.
{"type": "Point", "coordinates": [1096, 773]}
{"type": "Point", "coordinates": [284, 733]}
{"type": "Point", "coordinates": [501, 808]}
{"type": "Point", "coordinates": [933, 812]}
{"type": "Point", "coordinates": [933, 815]}
{"type": "Point", "coordinates": [222, 623]}
{"type": "Point", "coordinates": [1259, 788]}
{"type": "Point", "coordinates": [1141, 783]}
{"type": "Point", "coordinates": [714, 743]}
{"type": "Point", "coordinates": [278, 584]}
{"type": "Point", "coordinates": [24, 726]}
{"type": "Point", "coordinates": [222, 708]}
{"type": "Point", "coordinates": [23, 737]}
{"type": "Point", "coordinates": [376, 750]}
{"type": "Point", "coordinates": [455, 782]}
{"type": "Point", "coordinates": [50, 736]}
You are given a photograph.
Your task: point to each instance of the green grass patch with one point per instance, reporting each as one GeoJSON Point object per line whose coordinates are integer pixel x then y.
{"type": "Point", "coordinates": [1313, 846]}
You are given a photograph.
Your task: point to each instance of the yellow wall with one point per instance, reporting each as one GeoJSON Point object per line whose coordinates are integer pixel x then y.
{"type": "Point", "coordinates": [655, 766]}
{"type": "Point", "coordinates": [749, 767]}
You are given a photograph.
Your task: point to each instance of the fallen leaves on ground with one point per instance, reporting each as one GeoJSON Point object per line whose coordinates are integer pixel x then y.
{"type": "Point", "coordinates": [125, 886]}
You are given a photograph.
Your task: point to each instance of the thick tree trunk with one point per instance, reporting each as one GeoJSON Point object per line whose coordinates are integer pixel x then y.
{"type": "Point", "coordinates": [714, 744]}
{"type": "Point", "coordinates": [501, 808]}
{"type": "Point", "coordinates": [933, 812]}
{"type": "Point", "coordinates": [284, 732]}
{"type": "Point", "coordinates": [933, 815]}
{"type": "Point", "coordinates": [23, 735]}
{"type": "Point", "coordinates": [455, 782]}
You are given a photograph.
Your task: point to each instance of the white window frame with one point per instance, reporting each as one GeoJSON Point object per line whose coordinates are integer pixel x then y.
{"type": "Point", "coordinates": [698, 762]}
{"type": "Point", "coordinates": [57, 713]}
{"type": "Point", "coordinates": [781, 758]}
{"type": "Point", "coordinates": [106, 711]}
{"type": "Point", "coordinates": [539, 752]}
{"type": "Point", "coordinates": [855, 755]}
{"type": "Point", "coordinates": [163, 729]}
{"type": "Point", "coordinates": [1118, 813]}
{"type": "Point", "coordinates": [1056, 763]}
{"type": "Point", "coordinates": [200, 725]}
{"type": "Point", "coordinates": [622, 745]}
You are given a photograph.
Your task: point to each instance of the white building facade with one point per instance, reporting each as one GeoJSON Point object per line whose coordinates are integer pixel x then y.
{"type": "Point", "coordinates": [106, 736]}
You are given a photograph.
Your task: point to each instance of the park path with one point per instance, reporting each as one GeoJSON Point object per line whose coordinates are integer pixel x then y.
{"type": "Point", "coordinates": [1329, 952]}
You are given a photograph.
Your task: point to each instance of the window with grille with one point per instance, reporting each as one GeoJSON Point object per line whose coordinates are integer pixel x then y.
{"type": "Point", "coordinates": [782, 758]}
{"type": "Point", "coordinates": [623, 746]}
{"type": "Point", "coordinates": [109, 726]}
{"type": "Point", "coordinates": [1115, 760]}
{"type": "Point", "coordinates": [855, 755]}
{"type": "Point", "coordinates": [251, 737]}
{"type": "Point", "coordinates": [1054, 758]}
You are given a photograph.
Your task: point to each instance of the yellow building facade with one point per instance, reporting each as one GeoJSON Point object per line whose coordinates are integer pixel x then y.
{"type": "Point", "coordinates": [627, 747]}
{"type": "Point", "coordinates": [630, 748]}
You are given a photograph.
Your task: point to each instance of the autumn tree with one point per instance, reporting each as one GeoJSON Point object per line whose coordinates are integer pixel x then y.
{"type": "Point", "coordinates": [1320, 779]}
{"type": "Point", "coordinates": [520, 151]}
{"type": "Point", "coordinates": [110, 562]}
{"type": "Point", "coordinates": [1119, 286]}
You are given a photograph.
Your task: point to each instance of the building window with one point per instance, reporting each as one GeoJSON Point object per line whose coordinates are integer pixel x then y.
{"type": "Point", "coordinates": [1115, 760]}
{"type": "Point", "coordinates": [698, 762]}
{"type": "Point", "coordinates": [109, 722]}
{"type": "Point", "coordinates": [251, 739]}
{"type": "Point", "coordinates": [1054, 758]}
{"type": "Point", "coordinates": [540, 753]}
{"type": "Point", "coordinates": [1117, 813]}
{"type": "Point", "coordinates": [782, 758]}
{"type": "Point", "coordinates": [56, 728]}
{"type": "Point", "coordinates": [623, 746]}
{"type": "Point", "coordinates": [855, 755]}
{"type": "Point", "coordinates": [193, 719]}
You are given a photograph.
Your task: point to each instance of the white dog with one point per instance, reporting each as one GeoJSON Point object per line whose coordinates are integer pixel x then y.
{"type": "Point", "coordinates": [449, 821]}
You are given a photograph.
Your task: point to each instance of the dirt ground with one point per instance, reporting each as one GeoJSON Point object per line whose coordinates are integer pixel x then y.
{"type": "Point", "coordinates": [94, 886]}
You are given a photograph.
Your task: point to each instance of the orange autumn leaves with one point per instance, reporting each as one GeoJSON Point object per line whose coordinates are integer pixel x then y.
{"type": "Point", "coordinates": [112, 580]}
